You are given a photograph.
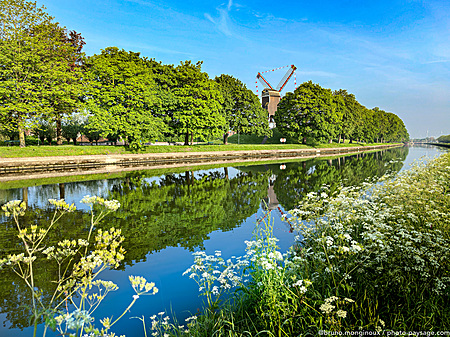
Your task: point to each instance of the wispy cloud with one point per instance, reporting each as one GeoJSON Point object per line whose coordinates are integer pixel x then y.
{"type": "Point", "coordinates": [437, 61]}
{"type": "Point", "coordinates": [317, 73]}
{"type": "Point", "coordinates": [222, 22]}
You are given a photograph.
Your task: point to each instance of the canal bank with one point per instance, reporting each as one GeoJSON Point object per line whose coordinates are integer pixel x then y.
{"type": "Point", "coordinates": [41, 167]}
{"type": "Point", "coordinates": [167, 214]}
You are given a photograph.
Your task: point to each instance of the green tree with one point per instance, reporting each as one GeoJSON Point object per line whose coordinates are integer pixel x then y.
{"type": "Point", "coordinates": [72, 127]}
{"type": "Point", "coordinates": [122, 97]}
{"type": "Point", "coordinates": [198, 105]}
{"type": "Point", "coordinates": [381, 124]}
{"type": "Point", "coordinates": [92, 134]}
{"type": "Point", "coordinates": [309, 112]}
{"type": "Point", "coordinates": [396, 130]}
{"type": "Point", "coordinates": [241, 108]}
{"type": "Point", "coordinates": [351, 114]}
{"type": "Point", "coordinates": [45, 130]}
{"type": "Point", "coordinates": [68, 89]}
{"type": "Point", "coordinates": [33, 73]}
{"type": "Point", "coordinates": [444, 139]}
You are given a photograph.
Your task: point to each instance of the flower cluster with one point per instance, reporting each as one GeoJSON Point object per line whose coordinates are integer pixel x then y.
{"type": "Point", "coordinates": [64, 249]}
{"type": "Point", "coordinates": [214, 275]}
{"type": "Point", "coordinates": [108, 246]}
{"type": "Point", "coordinates": [141, 286]}
{"type": "Point", "coordinates": [74, 320]}
{"type": "Point", "coordinates": [32, 234]}
{"type": "Point", "coordinates": [62, 205]}
{"type": "Point", "coordinates": [161, 326]}
{"type": "Point", "coordinates": [111, 205]}
{"type": "Point", "coordinates": [14, 207]}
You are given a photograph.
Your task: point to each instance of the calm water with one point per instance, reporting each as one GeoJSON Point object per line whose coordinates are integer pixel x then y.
{"type": "Point", "coordinates": [165, 216]}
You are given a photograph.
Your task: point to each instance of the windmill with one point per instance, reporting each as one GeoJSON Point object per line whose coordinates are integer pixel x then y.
{"type": "Point", "coordinates": [271, 96]}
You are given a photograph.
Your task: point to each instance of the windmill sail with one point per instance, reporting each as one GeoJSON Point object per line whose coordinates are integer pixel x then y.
{"type": "Point", "coordinates": [286, 78]}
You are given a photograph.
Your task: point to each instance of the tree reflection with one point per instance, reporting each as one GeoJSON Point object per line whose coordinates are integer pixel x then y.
{"type": "Point", "coordinates": [297, 180]}
{"type": "Point", "coordinates": [15, 297]}
{"type": "Point", "coordinates": [182, 209]}
{"type": "Point", "coordinates": [176, 209]}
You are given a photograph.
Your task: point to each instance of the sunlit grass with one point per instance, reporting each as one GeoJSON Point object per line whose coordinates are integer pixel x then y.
{"type": "Point", "coordinates": [71, 150]}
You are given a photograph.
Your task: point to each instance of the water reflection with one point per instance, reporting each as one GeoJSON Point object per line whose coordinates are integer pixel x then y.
{"type": "Point", "coordinates": [182, 209]}
{"type": "Point", "coordinates": [175, 209]}
{"type": "Point", "coordinates": [290, 182]}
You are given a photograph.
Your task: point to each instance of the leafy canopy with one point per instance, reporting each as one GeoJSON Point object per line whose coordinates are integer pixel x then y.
{"type": "Point", "coordinates": [122, 97]}
{"type": "Point", "coordinates": [242, 108]}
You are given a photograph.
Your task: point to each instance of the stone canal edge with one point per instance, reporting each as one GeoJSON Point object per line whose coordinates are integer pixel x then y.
{"type": "Point", "coordinates": [47, 167]}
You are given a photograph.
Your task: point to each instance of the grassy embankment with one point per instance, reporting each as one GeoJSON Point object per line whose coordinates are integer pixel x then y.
{"type": "Point", "coordinates": [246, 143]}
{"type": "Point", "coordinates": [371, 258]}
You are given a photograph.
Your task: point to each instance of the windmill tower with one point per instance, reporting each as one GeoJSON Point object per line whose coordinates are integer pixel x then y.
{"type": "Point", "coordinates": [270, 97]}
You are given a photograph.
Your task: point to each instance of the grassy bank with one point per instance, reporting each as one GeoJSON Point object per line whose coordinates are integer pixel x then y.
{"type": "Point", "coordinates": [71, 150]}
{"type": "Point", "coordinates": [371, 259]}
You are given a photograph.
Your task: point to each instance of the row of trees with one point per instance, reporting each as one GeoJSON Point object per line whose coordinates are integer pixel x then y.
{"type": "Point", "coordinates": [444, 139]}
{"type": "Point", "coordinates": [320, 115]}
{"type": "Point", "coordinates": [45, 76]}
{"type": "Point", "coordinates": [45, 79]}
{"type": "Point", "coordinates": [139, 99]}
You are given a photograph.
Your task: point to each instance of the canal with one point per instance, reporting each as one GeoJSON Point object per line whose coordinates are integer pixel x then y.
{"type": "Point", "coordinates": [165, 216]}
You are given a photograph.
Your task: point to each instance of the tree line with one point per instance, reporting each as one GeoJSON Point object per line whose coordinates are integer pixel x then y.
{"type": "Point", "coordinates": [49, 85]}
{"type": "Point", "coordinates": [444, 139]}
{"type": "Point", "coordinates": [320, 115]}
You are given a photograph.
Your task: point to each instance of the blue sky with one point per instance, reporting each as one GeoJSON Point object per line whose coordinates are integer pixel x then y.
{"type": "Point", "coordinates": [391, 54]}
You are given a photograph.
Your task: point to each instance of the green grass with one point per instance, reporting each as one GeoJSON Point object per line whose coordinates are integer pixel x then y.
{"type": "Point", "coordinates": [253, 139]}
{"type": "Point", "coordinates": [71, 150]}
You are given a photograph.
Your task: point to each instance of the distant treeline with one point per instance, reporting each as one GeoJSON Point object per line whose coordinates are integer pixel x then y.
{"type": "Point", "coordinates": [444, 139]}
{"type": "Point", "coordinates": [49, 86]}
{"type": "Point", "coordinates": [319, 114]}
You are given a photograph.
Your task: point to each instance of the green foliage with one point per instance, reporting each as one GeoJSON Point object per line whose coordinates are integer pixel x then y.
{"type": "Point", "coordinates": [242, 108]}
{"type": "Point", "coordinates": [122, 98]}
{"type": "Point", "coordinates": [388, 127]}
{"type": "Point", "coordinates": [92, 134]}
{"type": "Point", "coordinates": [69, 86]}
{"type": "Point", "coordinates": [34, 77]}
{"type": "Point", "coordinates": [352, 114]}
{"type": "Point", "coordinates": [198, 106]}
{"type": "Point", "coordinates": [444, 139]}
{"type": "Point", "coordinates": [314, 114]}
{"type": "Point", "coordinates": [310, 112]}
{"type": "Point", "coordinates": [72, 127]}
{"type": "Point", "coordinates": [45, 131]}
